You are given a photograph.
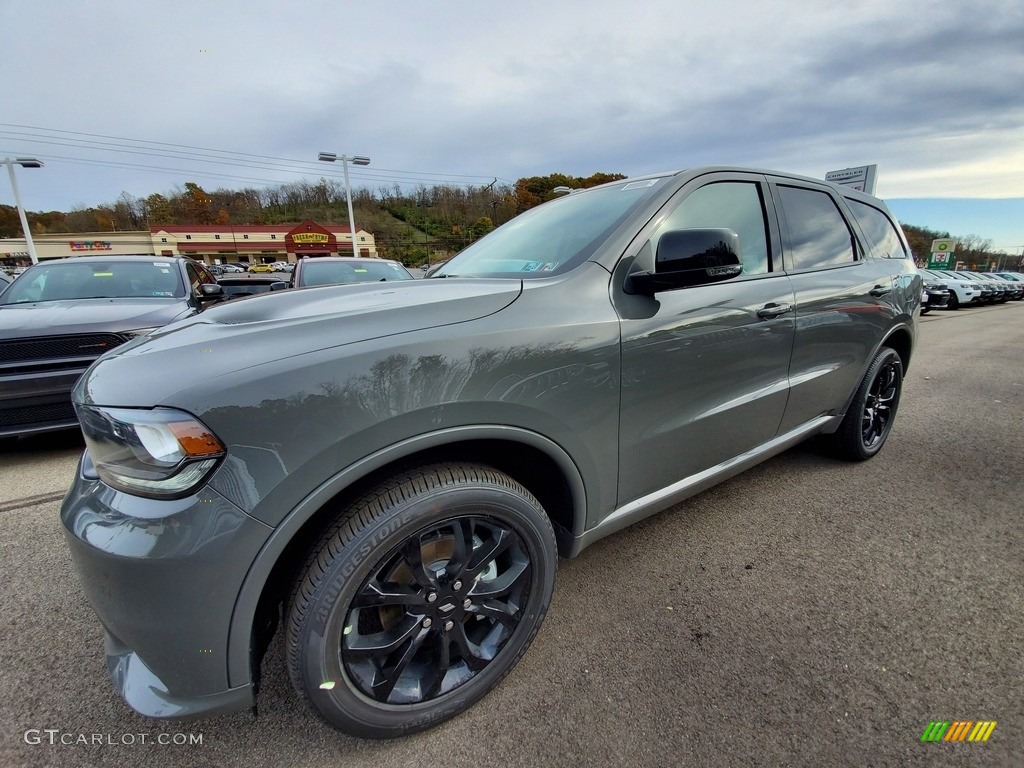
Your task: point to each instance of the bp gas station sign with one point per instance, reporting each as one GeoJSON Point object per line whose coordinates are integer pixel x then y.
{"type": "Point", "coordinates": [942, 254]}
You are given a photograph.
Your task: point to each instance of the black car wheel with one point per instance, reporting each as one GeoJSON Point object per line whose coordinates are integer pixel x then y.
{"type": "Point", "coordinates": [870, 418]}
{"type": "Point", "coordinates": [954, 301]}
{"type": "Point", "coordinates": [420, 599]}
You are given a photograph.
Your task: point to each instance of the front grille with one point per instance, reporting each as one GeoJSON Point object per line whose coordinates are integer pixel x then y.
{"type": "Point", "coordinates": [37, 414]}
{"type": "Point", "coordinates": [51, 347]}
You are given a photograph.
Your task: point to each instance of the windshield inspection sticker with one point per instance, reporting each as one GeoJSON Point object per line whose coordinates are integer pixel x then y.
{"type": "Point", "coordinates": [102, 274]}
{"type": "Point", "coordinates": [640, 184]}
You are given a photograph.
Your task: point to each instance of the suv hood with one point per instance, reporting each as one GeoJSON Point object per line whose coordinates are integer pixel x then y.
{"type": "Point", "coordinates": [275, 326]}
{"type": "Point", "coordinates": [57, 318]}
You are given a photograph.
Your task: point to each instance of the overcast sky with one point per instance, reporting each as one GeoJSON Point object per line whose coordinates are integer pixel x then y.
{"type": "Point", "coordinates": [449, 91]}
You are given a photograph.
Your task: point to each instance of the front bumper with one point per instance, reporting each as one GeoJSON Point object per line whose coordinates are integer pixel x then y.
{"type": "Point", "coordinates": [163, 577]}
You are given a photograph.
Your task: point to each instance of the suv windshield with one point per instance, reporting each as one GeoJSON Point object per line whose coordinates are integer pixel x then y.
{"type": "Point", "coordinates": [553, 237]}
{"type": "Point", "coordinates": [343, 272]}
{"type": "Point", "coordinates": [72, 279]}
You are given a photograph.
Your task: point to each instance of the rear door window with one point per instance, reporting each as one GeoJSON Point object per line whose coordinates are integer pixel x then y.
{"type": "Point", "coordinates": [818, 235]}
{"type": "Point", "coordinates": [883, 240]}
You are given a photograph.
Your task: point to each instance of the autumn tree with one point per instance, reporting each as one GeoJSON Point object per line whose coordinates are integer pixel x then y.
{"type": "Point", "coordinates": [197, 204]}
{"type": "Point", "coordinates": [157, 210]}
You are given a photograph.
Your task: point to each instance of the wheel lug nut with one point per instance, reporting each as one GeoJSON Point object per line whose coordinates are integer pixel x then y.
{"type": "Point", "coordinates": [432, 597]}
{"type": "Point", "coordinates": [457, 585]}
{"type": "Point", "coordinates": [466, 603]}
{"type": "Point", "coordinates": [448, 625]}
{"type": "Point", "coordinates": [426, 623]}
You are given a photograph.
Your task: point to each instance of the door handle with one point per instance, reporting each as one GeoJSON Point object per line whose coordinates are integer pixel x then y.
{"type": "Point", "coordinates": [880, 290]}
{"type": "Point", "coordinates": [768, 311]}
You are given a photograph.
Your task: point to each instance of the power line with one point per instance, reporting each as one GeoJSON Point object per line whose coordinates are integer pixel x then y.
{"type": "Point", "coordinates": [266, 162]}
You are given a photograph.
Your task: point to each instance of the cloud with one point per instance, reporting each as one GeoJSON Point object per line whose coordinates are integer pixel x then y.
{"type": "Point", "coordinates": [930, 92]}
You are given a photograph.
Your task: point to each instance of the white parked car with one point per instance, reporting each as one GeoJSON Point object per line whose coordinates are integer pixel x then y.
{"type": "Point", "coordinates": [962, 292]}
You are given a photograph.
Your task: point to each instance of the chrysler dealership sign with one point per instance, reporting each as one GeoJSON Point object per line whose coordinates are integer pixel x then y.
{"type": "Point", "coordinates": [862, 178]}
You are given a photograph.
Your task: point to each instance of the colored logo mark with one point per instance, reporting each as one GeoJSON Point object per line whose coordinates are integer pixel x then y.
{"type": "Point", "coordinates": [959, 730]}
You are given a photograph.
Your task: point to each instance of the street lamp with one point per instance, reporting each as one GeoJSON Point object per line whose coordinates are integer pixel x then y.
{"type": "Point", "coordinates": [24, 162]}
{"type": "Point", "coordinates": [330, 157]}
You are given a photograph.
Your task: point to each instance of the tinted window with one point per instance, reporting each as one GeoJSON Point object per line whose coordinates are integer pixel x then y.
{"type": "Point", "coordinates": [343, 272]}
{"type": "Point", "coordinates": [726, 205]}
{"type": "Point", "coordinates": [818, 235]}
{"type": "Point", "coordinates": [194, 277]}
{"type": "Point", "coordinates": [92, 279]}
{"type": "Point", "coordinates": [883, 240]}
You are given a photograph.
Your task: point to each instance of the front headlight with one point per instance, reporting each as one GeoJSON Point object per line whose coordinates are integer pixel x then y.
{"type": "Point", "coordinates": [161, 453]}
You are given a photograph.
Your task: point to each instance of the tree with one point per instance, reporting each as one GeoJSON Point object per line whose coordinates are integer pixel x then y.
{"type": "Point", "coordinates": [157, 210]}
{"type": "Point", "coordinates": [197, 204]}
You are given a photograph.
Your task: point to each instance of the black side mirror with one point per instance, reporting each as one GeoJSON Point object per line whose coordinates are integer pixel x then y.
{"type": "Point", "coordinates": [210, 291]}
{"type": "Point", "coordinates": [279, 286]}
{"type": "Point", "coordinates": [688, 257]}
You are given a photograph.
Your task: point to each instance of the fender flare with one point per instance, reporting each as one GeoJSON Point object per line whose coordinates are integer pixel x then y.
{"type": "Point", "coordinates": [899, 327]}
{"type": "Point", "coordinates": [244, 613]}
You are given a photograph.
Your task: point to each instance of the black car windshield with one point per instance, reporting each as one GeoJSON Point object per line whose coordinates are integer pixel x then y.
{"type": "Point", "coordinates": [554, 237]}
{"type": "Point", "coordinates": [72, 279]}
{"type": "Point", "coordinates": [316, 272]}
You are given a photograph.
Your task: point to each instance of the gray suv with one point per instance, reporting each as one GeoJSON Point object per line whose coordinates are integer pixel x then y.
{"type": "Point", "coordinates": [391, 470]}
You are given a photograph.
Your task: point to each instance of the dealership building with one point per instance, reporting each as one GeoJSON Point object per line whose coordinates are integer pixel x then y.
{"type": "Point", "coordinates": [209, 243]}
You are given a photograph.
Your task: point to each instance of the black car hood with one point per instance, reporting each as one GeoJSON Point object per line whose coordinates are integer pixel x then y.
{"type": "Point", "coordinates": [274, 326]}
{"type": "Point", "coordinates": [57, 318]}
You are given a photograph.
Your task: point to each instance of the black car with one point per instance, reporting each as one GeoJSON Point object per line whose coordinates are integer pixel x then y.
{"type": "Point", "coordinates": [59, 316]}
{"type": "Point", "coordinates": [934, 296]}
{"type": "Point", "coordinates": [236, 287]}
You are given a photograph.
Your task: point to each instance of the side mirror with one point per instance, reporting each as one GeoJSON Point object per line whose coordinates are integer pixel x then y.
{"type": "Point", "coordinates": [281, 286]}
{"type": "Point", "coordinates": [210, 291]}
{"type": "Point", "coordinates": [688, 257]}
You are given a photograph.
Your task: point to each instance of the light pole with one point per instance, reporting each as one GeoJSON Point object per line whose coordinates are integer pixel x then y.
{"type": "Point", "coordinates": [330, 157]}
{"type": "Point", "coordinates": [24, 162]}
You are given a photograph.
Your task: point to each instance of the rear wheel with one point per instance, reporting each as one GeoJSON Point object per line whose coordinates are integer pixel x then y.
{"type": "Point", "coordinates": [870, 418]}
{"type": "Point", "coordinates": [422, 597]}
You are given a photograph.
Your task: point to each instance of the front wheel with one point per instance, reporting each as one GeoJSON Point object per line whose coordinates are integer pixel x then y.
{"type": "Point", "coordinates": [869, 420]}
{"type": "Point", "coordinates": [954, 301]}
{"type": "Point", "coordinates": [420, 599]}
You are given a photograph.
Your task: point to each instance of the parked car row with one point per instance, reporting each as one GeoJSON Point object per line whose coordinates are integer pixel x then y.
{"type": "Point", "coordinates": [256, 268]}
{"type": "Point", "coordinates": [61, 315]}
{"type": "Point", "coordinates": [966, 289]}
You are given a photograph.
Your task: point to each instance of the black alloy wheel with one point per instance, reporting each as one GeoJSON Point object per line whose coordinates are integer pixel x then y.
{"type": "Point", "coordinates": [437, 610]}
{"type": "Point", "coordinates": [954, 301]}
{"type": "Point", "coordinates": [420, 599]}
{"type": "Point", "coordinates": [869, 420]}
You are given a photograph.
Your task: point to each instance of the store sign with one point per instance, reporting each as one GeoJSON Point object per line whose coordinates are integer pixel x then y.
{"type": "Point", "coordinates": [311, 237]}
{"type": "Point", "coordinates": [90, 245]}
{"type": "Point", "coordinates": [942, 253]}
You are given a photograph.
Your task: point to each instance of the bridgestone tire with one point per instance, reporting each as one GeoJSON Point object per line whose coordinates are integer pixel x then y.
{"type": "Point", "coordinates": [404, 615]}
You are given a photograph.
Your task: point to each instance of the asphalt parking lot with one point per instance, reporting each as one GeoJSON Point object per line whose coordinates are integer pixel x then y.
{"type": "Point", "coordinates": [808, 612]}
